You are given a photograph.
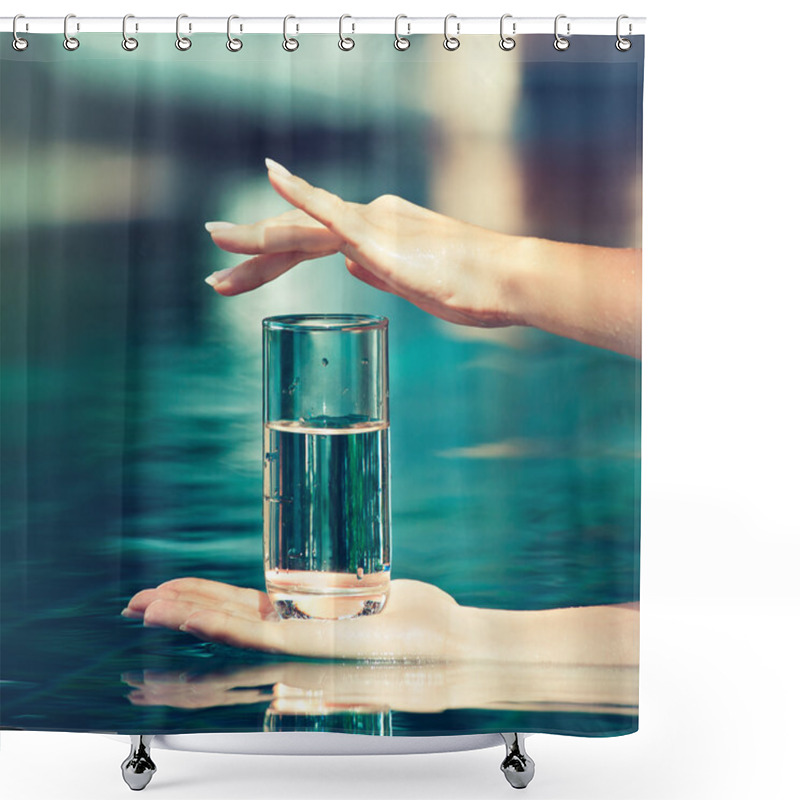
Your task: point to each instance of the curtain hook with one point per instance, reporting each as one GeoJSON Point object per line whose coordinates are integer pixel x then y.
{"type": "Point", "coordinates": [234, 45]}
{"type": "Point", "coordinates": [289, 44]}
{"type": "Point", "coordinates": [19, 44]}
{"type": "Point", "coordinates": [400, 42]}
{"type": "Point", "coordinates": [182, 42]}
{"type": "Point", "coordinates": [451, 42]}
{"type": "Point", "coordinates": [128, 42]}
{"type": "Point", "coordinates": [507, 42]}
{"type": "Point", "coordinates": [70, 42]}
{"type": "Point", "coordinates": [560, 43]}
{"type": "Point", "coordinates": [623, 44]}
{"type": "Point", "coordinates": [346, 43]}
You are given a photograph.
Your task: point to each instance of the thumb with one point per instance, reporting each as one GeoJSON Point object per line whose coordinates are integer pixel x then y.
{"type": "Point", "coordinates": [363, 274]}
{"type": "Point", "coordinates": [339, 216]}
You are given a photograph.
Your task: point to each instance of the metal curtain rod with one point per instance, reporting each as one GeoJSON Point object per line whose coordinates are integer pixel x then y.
{"type": "Point", "coordinates": [459, 26]}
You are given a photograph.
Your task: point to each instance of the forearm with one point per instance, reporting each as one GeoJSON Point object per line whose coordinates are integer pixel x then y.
{"type": "Point", "coordinates": [434, 686]}
{"type": "Point", "coordinates": [591, 294]}
{"type": "Point", "coordinates": [583, 636]}
{"type": "Point", "coordinates": [547, 687]}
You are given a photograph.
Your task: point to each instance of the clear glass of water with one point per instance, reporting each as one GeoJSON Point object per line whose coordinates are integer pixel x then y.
{"type": "Point", "coordinates": [327, 534]}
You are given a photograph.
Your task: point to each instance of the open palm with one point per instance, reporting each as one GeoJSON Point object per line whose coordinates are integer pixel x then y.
{"type": "Point", "coordinates": [418, 621]}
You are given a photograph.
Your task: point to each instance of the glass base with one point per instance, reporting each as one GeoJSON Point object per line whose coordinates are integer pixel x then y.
{"type": "Point", "coordinates": [326, 595]}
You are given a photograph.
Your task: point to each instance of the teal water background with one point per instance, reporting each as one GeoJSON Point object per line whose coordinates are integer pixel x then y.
{"type": "Point", "coordinates": [131, 392]}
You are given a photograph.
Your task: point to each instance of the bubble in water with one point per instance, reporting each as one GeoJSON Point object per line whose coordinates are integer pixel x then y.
{"type": "Point", "coordinates": [324, 362]}
{"type": "Point", "coordinates": [364, 362]}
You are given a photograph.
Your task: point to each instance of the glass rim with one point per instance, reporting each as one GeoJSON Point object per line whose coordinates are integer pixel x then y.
{"type": "Point", "coordinates": [325, 322]}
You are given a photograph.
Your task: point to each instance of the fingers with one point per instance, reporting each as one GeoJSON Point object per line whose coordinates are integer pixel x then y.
{"type": "Point", "coordinates": [357, 271]}
{"type": "Point", "coordinates": [201, 593]}
{"type": "Point", "coordinates": [321, 224]}
{"type": "Point", "coordinates": [216, 612]}
{"type": "Point", "coordinates": [253, 273]}
{"type": "Point", "coordinates": [213, 625]}
{"type": "Point", "coordinates": [259, 270]}
{"type": "Point", "coordinates": [188, 698]}
{"type": "Point", "coordinates": [138, 604]}
{"type": "Point", "coordinates": [221, 680]}
{"type": "Point", "coordinates": [224, 628]}
{"type": "Point", "coordinates": [189, 690]}
{"type": "Point", "coordinates": [230, 606]}
{"type": "Point", "coordinates": [294, 230]}
{"type": "Point", "coordinates": [334, 213]}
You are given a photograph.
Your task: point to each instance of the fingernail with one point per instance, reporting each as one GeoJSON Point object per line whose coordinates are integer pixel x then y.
{"type": "Point", "coordinates": [218, 226]}
{"type": "Point", "coordinates": [216, 278]}
{"type": "Point", "coordinates": [126, 612]}
{"type": "Point", "coordinates": [277, 169]}
{"type": "Point", "coordinates": [183, 627]}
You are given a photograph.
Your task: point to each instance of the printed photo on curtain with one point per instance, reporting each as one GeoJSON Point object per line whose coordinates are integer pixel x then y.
{"type": "Point", "coordinates": [220, 270]}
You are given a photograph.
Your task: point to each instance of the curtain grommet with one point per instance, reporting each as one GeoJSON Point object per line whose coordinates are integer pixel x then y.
{"type": "Point", "coordinates": [183, 43]}
{"type": "Point", "coordinates": [400, 42]}
{"type": "Point", "coordinates": [18, 43]}
{"type": "Point", "coordinates": [233, 44]}
{"type": "Point", "coordinates": [622, 44]}
{"type": "Point", "coordinates": [70, 42]}
{"type": "Point", "coordinates": [451, 43]}
{"type": "Point", "coordinates": [290, 44]}
{"type": "Point", "coordinates": [507, 42]}
{"type": "Point", "coordinates": [129, 43]}
{"type": "Point", "coordinates": [345, 42]}
{"type": "Point", "coordinates": [560, 42]}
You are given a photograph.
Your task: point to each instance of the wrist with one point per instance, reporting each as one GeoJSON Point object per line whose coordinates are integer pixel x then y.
{"type": "Point", "coordinates": [483, 634]}
{"type": "Point", "coordinates": [520, 279]}
{"type": "Point", "coordinates": [467, 641]}
{"type": "Point", "coordinates": [584, 292]}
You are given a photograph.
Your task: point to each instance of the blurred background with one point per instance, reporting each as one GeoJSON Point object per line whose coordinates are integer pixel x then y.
{"type": "Point", "coordinates": [131, 392]}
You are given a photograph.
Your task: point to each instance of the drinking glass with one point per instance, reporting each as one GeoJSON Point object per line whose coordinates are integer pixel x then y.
{"type": "Point", "coordinates": [327, 547]}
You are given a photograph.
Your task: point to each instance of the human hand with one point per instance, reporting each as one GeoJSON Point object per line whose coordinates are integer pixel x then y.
{"type": "Point", "coordinates": [418, 621]}
{"type": "Point", "coordinates": [231, 686]}
{"type": "Point", "coordinates": [451, 269]}
{"type": "Point", "coordinates": [329, 687]}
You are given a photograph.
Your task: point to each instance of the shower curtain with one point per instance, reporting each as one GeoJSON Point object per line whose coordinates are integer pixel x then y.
{"type": "Point", "coordinates": [487, 202]}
